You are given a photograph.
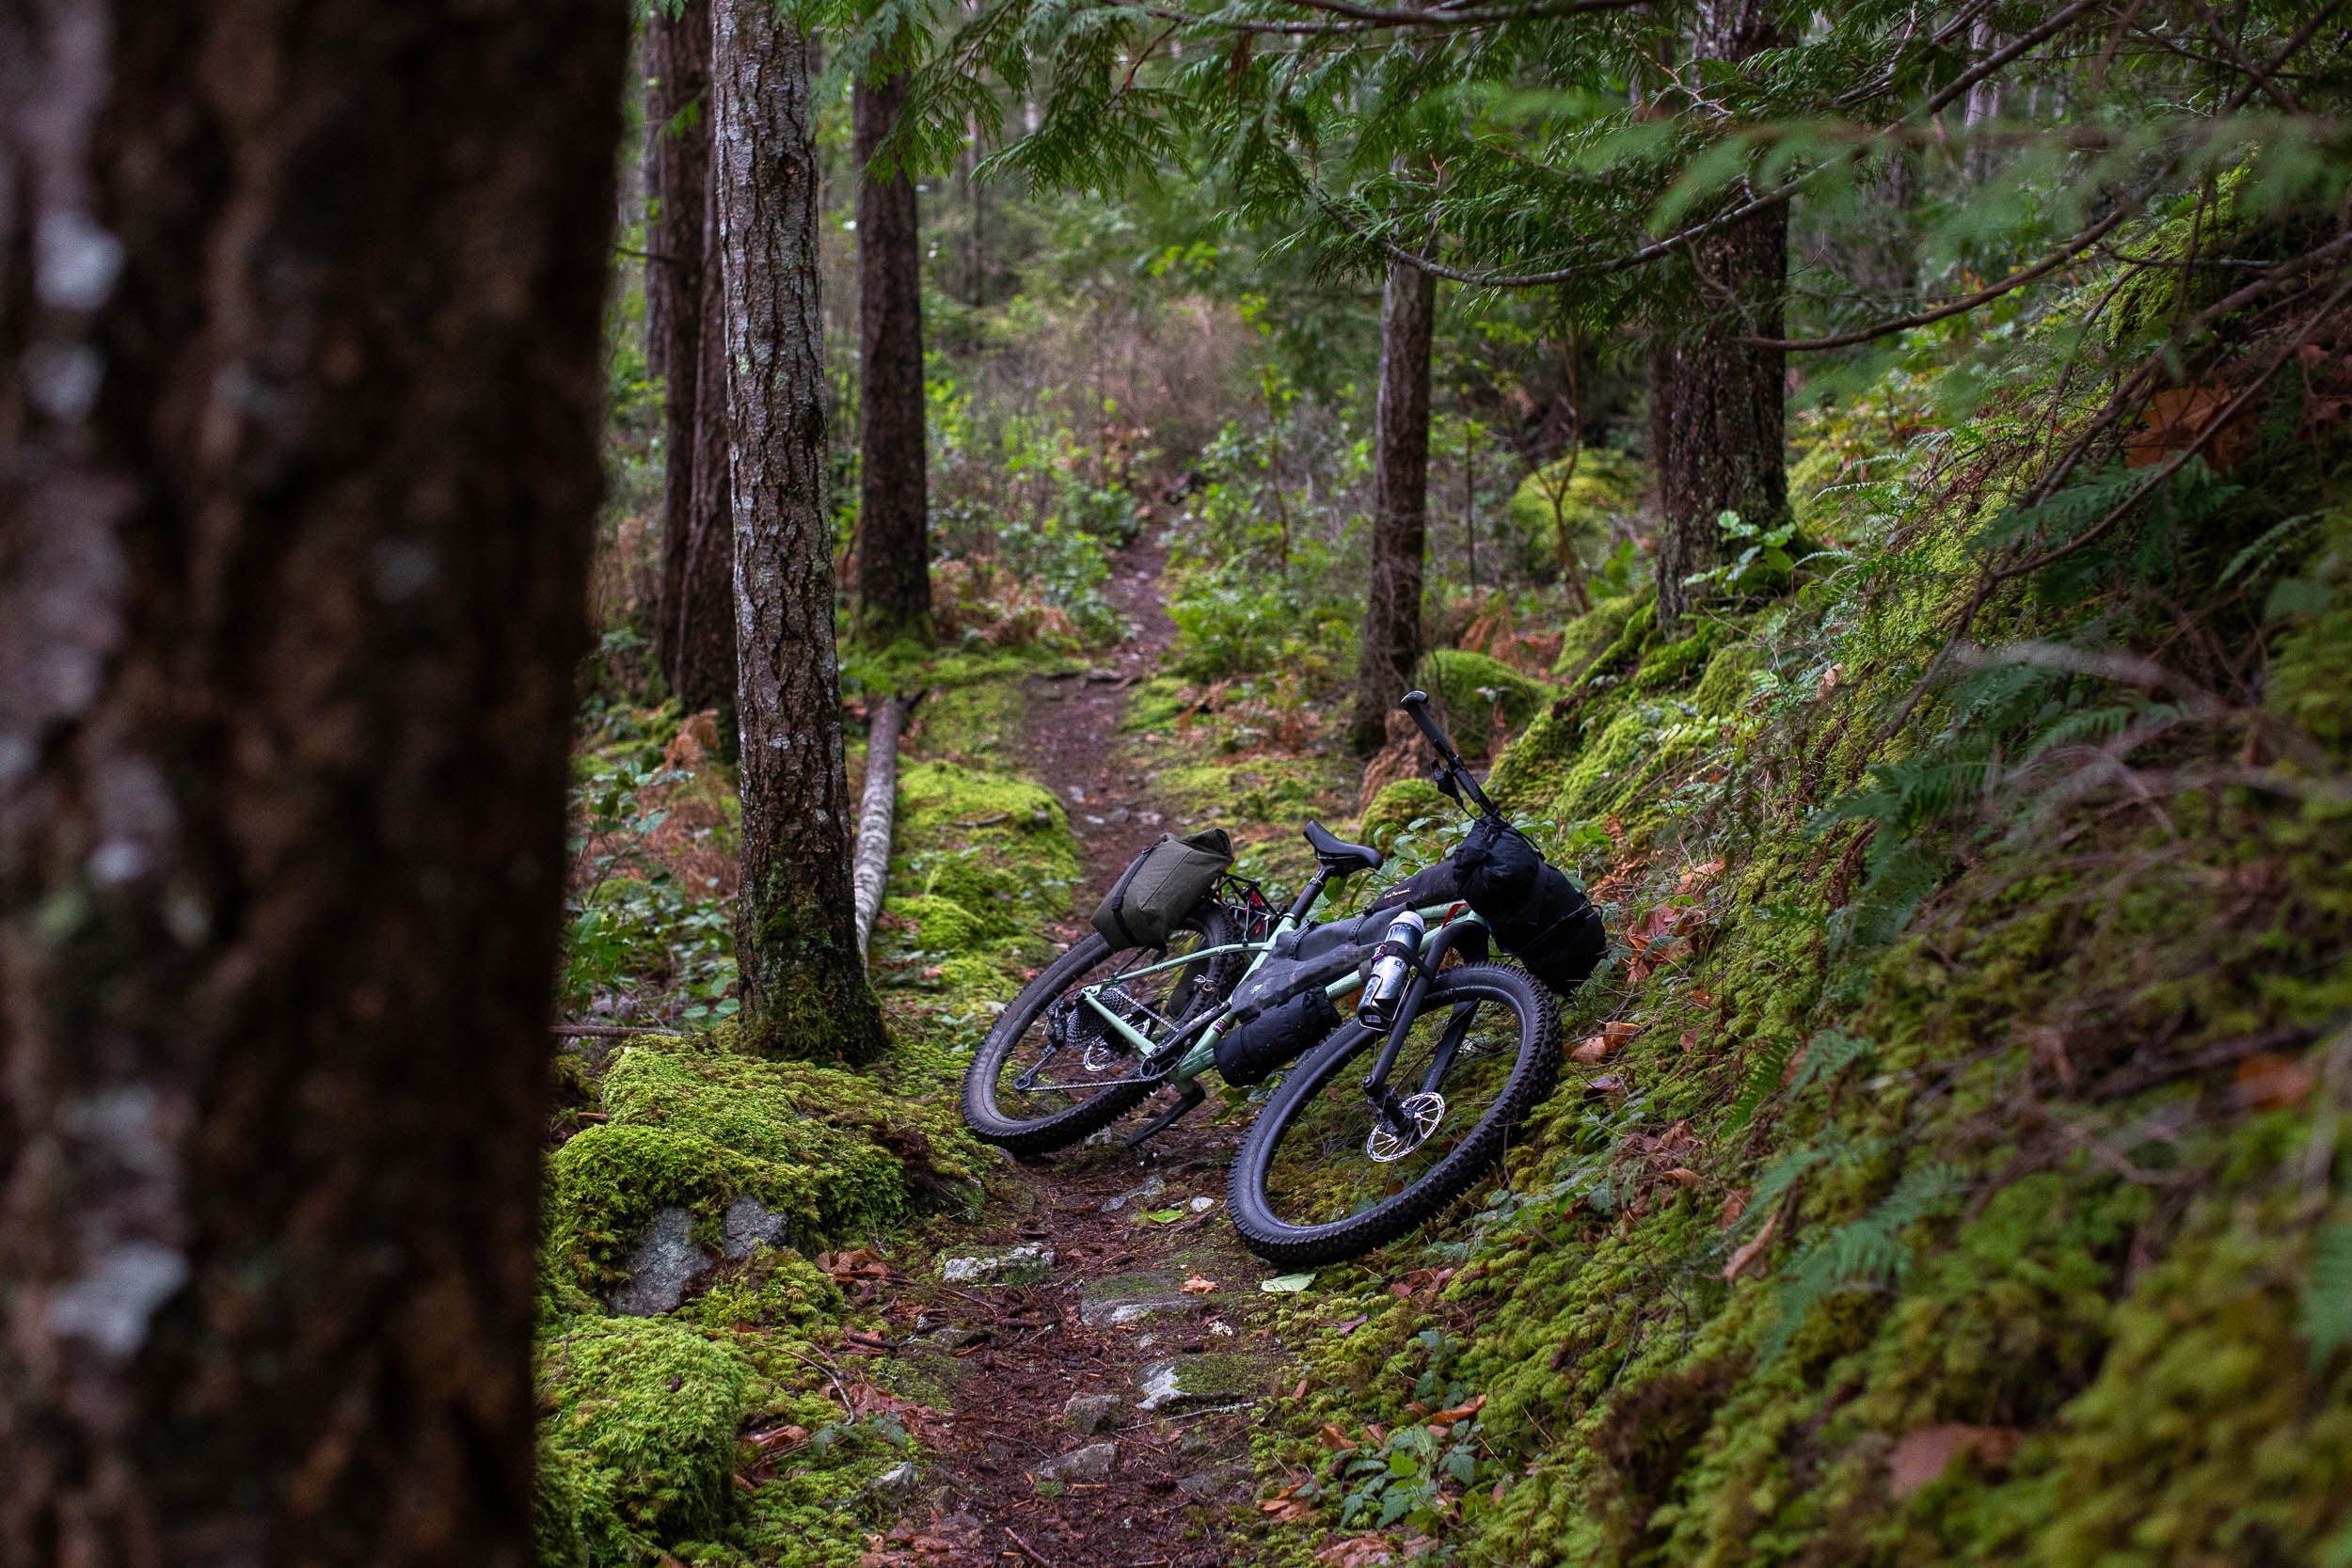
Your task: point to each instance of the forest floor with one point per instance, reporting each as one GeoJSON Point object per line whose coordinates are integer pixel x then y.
{"type": "Point", "coordinates": [1098, 1413]}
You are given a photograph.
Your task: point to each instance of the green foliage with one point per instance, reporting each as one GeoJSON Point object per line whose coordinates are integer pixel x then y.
{"type": "Point", "coordinates": [1870, 1251]}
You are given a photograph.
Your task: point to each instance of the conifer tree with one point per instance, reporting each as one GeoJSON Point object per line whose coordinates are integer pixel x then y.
{"type": "Point", "coordinates": [694, 614]}
{"type": "Point", "coordinates": [894, 581]}
{"type": "Point", "coordinates": [805, 990]}
{"type": "Point", "coordinates": [1391, 641]}
{"type": "Point", "coordinates": [301, 306]}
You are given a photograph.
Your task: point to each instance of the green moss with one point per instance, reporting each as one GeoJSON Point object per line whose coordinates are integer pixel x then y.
{"type": "Point", "coordinates": [1397, 807]}
{"type": "Point", "coordinates": [636, 1438]}
{"type": "Point", "coordinates": [1585, 640]}
{"type": "Point", "coordinates": [1603, 485]}
{"type": "Point", "coordinates": [695, 1125]}
{"type": "Point", "coordinates": [1477, 695]}
{"type": "Point", "coordinates": [937, 924]}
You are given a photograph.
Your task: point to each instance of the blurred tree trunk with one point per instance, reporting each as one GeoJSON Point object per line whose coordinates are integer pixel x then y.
{"type": "Point", "coordinates": [296, 495]}
{"type": "Point", "coordinates": [694, 622]}
{"type": "Point", "coordinates": [805, 990]}
{"type": "Point", "coordinates": [893, 571]}
{"type": "Point", "coordinates": [1400, 503]}
{"type": "Point", "coordinates": [1716, 405]}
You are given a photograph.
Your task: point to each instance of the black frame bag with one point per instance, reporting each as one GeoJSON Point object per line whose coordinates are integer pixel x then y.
{"type": "Point", "coordinates": [1161, 886]}
{"type": "Point", "coordinates": [1536, 914]}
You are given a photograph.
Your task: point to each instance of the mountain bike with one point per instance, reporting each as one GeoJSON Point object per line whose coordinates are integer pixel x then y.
{"type": "Point", "coordinates": [1372, 1123]}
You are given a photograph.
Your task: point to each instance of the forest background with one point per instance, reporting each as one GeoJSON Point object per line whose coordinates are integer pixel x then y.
{"type": "Point", "coordinates": [1868, 482]}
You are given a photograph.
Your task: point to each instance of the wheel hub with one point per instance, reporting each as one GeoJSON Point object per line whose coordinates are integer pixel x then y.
{"type": "Point", "coordinates": [1422, 1113]}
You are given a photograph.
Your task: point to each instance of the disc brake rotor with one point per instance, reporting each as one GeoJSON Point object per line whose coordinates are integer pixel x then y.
{"type": "Point", "coordinates": [1424, 1110]}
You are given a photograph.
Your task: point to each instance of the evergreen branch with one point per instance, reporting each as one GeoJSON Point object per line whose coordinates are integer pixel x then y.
{"type": "Point", "coordinates": [2212, 428]}
{"type": "Point", "coordinates": [2050, 263]}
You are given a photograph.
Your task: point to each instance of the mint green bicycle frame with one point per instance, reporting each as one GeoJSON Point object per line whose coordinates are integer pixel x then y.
{"type": "Point", "coordinates": [1202, 1055]}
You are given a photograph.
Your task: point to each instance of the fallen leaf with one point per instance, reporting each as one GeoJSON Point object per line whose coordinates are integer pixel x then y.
{"type": "Point", "coordinates": [1617, 1032]}
{"type": "Point", "coordinates": [1749, 1250]}
{"type": "Point", "coordinates": [1195, 1286]}
{"type": "Point", "coordinates": [1690, 1040]}
{"type": "Point", "coordinates": [1333, 1438]}
{"type": "Point", "coordinates": [1921, 1456]}
{"type": "Point", "coordinates": [1358, 1551]}
{"type": "Point", "coordinates": [1830, 677]}
{"type": "Point", "coordinates": [2267, 1083]}
{"type": "Point", "coordinates": [1735, 1205]}
{"type": "Point", "coordinates": [1682, 1175]}
{"type": "Point", "coordinates": [1592, 1050]}
{"type": "Point", "coordinates": [1461, 1412]}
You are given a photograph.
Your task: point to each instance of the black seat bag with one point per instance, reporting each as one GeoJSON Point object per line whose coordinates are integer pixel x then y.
{"type": "Point", "coordinates": [1535, 913]}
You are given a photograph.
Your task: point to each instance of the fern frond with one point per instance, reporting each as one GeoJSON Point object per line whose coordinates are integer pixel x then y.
{"type": "Point", "coordinates": [1832, 1051]}
{"type": "Point", "coordinates": [1763, 1080]}
{"type": "Point", "coordinates": [1870, 1251]}
{"type": "Point", "coordinates": [2328, 1293]}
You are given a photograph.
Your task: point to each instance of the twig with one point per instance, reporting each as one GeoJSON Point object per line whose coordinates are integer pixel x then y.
{"type": "Point", "coordinates": [830, 1376]}
{"type": "Point", "coordinates": [1027, 1550]}
{"type": "Point", "coordinates": [609, 1030]}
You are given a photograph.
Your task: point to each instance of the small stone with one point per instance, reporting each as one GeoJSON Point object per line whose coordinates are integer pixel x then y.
{"type": "Point", "coordinates": [896, 1486]}
{"type": "Point", "coordinates": [750, 1223]}
{"type": "Point", "coordinates": [961, 1339]}
{"type": "Point", "coordinates": [1093, 1462]}
{"type": "Point", "coordinates": [1024, 1265]}
{"type": "Point", "coordinates": [662, 1267]}
{"type": "Point", "coordinates": [1127, 1298]}
{"type": "Point", "coordinates": [1196, 1381]}
{"type": "Point", "coordinates": [1202, 1205]}
{"type": "Point", "coordinates": [1152, 1187]}
{"type": "Point", "coordinates": [1091, 1413]}
{"type": "Point", "coordinates": [1216, 1482]}
{"type": "Point", "coordinates": [1118, 814]}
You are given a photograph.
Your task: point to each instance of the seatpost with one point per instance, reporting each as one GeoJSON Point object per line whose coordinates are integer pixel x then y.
{"type": "Point", "coordinates": [1308, 895]}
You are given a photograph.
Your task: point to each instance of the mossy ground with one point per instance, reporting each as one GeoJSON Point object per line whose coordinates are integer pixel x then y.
{"type": "Point", "coordinates": [1954, 1196]}
{"type": "Point", "coordinates": [712, 1433]}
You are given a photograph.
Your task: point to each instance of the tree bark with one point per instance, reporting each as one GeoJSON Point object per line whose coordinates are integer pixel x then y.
{"type": "Point", "coordinates": [877, 812]}
{"type": "Point", "coordinates": [695, 619]}
{"type": "Point", "coordinates": [702, 613]}
{"type": "Point", "coordinates": [1400, 503]}
{"type": "Point", "coordinates": [805, 990]}
{"type": "Point", "coordinates": [894, 568]}
{"type": "Point", "coordinates": [297, 488]}
{"type": "Point", "coordinates": [1717, 405]}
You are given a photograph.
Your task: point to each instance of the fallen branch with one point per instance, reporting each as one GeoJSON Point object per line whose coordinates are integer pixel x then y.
{"type": "Point", "coordinates": [870, 867]}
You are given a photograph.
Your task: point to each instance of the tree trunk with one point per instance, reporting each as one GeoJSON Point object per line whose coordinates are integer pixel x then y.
{"type": "Point", "coordinates": [297, 494]}
{"type": "Point", "coordinates": [805, 990]}
{"type": "Point", "coordinates": [694, 621]}
{"type": "Point", "coordinates": [893, 570]}
{"type": "Point", "coordinates": [1716, 405]}
{"type": "Point", "coordinates": [701, 614]}
{"type": "Point", "coordinates": [1400, 503]}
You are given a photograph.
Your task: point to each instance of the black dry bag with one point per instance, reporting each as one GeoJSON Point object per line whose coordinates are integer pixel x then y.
{"type": "Point", "coordinates": [1536, 914]}
{"type": "Point", "coordinates": [1161, 886]}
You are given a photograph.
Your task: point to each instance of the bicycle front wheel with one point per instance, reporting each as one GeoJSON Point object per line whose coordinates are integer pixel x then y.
{"type": "Point", "coordinates": [1323, 1174]}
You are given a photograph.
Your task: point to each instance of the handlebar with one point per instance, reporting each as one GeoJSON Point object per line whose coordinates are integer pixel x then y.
{"type": "Point", "coordinates": [1416, 704]}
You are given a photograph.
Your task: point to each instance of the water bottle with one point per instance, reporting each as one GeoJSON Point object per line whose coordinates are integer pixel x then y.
{"type": "Point", "coordinates": [1391, 966]}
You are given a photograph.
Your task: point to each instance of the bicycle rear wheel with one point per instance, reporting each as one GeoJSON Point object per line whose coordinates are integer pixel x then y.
{"type": "Point", "coordinates": [1322, 1175]}
{"type": "Point", "coordinates": [1050, 1072]}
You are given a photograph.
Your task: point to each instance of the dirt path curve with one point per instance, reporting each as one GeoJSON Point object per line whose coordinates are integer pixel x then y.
{"type": "Point", "coordinates": [1102, 1343]}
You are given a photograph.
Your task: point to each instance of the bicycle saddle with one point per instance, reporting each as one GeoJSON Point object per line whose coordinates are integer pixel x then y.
{"type": "Point", "coordinates": [1338, 854]}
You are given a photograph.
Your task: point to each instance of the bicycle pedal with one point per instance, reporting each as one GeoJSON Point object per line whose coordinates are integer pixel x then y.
{"type": "Point", "coordinates": [1185, 1103]}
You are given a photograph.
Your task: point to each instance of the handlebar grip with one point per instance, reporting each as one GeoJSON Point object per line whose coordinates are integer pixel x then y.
{"type": "Point", "coordinates": [1417, 704]}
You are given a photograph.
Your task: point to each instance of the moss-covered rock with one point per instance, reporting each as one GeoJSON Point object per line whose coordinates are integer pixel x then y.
{"type": "Point", "coordinates": [1477, 695]}
{"type": "Point", "coordinates": [1397, 807]}
{"type": "Point", "coordinates": [1585, 640]}
{"type": "Point", "coordinates": [636, 1438]}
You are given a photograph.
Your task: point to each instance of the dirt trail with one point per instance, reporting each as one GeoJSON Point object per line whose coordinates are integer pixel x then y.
{"type": "Point", "coordinates": [1149, 1298]}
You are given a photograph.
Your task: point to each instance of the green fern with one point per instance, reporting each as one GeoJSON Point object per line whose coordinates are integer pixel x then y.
{"type": "Point", "coordinates": [2328, 1293]}
{"type": "Point", "coordinates": [1832, 1051]}
{"type": "Point", "coordinates": [1870, 1251]}
{"type": "Point", "coordinates": [1763, 1080]}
